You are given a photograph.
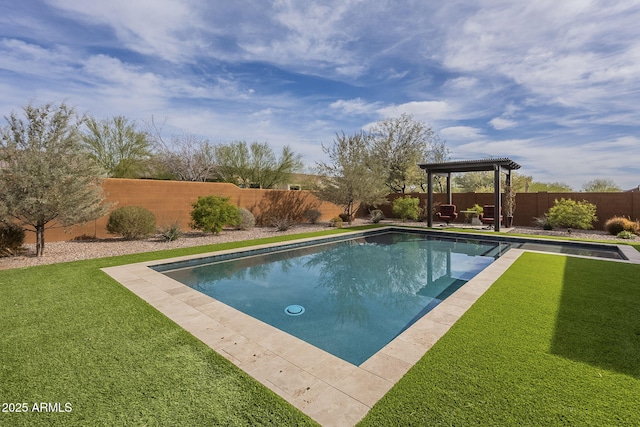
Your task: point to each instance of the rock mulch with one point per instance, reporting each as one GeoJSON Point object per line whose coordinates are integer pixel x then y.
{"type": "Point", "coordinates": [75, 250]}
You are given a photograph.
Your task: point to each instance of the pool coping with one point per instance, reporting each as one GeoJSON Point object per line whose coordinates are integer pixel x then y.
{"type": "Point", "coordinates": [328, 389]}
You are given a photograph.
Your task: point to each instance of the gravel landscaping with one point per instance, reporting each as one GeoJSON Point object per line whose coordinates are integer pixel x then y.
{"type": "Point", "coordinates": [75, 250]}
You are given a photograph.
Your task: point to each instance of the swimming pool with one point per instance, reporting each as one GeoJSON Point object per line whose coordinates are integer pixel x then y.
{"type": "Point", "coordinates": [323, 386]}
{"type": "Point", "coordinates": [349, 297]}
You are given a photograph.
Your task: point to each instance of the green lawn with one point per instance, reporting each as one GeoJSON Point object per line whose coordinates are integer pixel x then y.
{"type": "Point", "coordinates": [555, 341]}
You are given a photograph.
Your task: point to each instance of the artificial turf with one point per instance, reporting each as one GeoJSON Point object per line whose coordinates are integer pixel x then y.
{"type": "Point", "coordinates": [555, 341]}
{"type": "Point", "coordinates": [75, 339]}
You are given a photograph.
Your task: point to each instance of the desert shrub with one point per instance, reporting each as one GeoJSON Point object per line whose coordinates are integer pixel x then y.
{"type": "Point", "coordinates": [617, 224]}
{"type": "Point", "coordinates": [346, 218]}
{"type": "Point", "coordinates": [246, 220]}
{"type": "Point", "coordinates": [312, 215]}
{"type": "Point", "coordinates": [84, 237]}
{"type": "Point", "coordinates": [376, 216]}
{"type": "Point", "coordinates": [132, 222]}
{"type": "Point", "coordinates": [282, 224]}
{"type": "Point", "coordinates": [542, 222]}
{"type": "Point", "coordinates": [283, 204]}
{"type": "Point", "coordinates": [568, 213]}
{"type": "Point", "coordinates": [406, 208]}
{"type": "Point", "coordinates": [336, 222]}
{"type": "Point", "coordinates": [171, 232]}
{"type": "Point", "coordinates": [11, 239]}
{"type": "Point", "coordinates": [624, 234]}
{"type": "Point", "coordinates": [212, 213]}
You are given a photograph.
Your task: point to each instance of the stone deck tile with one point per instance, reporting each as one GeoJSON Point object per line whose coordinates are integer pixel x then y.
{"type": "Point", "coordinates": [330, 390]}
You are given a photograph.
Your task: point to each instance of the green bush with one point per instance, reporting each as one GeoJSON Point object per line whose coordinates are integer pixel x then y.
{"type": "Point", "coordinates": [246, 220]}
{"type": "Point", "coordinates": [132, 222]}
{"type": "Point", "coordinates": [376, 216]}
{"type": "Point", "coordinates": [618, 224]}
{"type": "Point", "coordinates": [211, 213]}
{"type": "Point", "coordinates": [477, 209]}
{"type": "Point", "coordinates": [624, 234]}
{"type": "Point", "coordinates": [171, 232]}
{"type": "Point", "coordinates": [11, 239]}
{"type": "Point", "coordinates": [567, 213]}
{"type": "Point", "coordinates": [406, 208]}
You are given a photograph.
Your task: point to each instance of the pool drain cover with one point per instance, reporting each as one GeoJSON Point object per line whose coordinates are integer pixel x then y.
{"type": "Point", "coordinates": [294, 310]}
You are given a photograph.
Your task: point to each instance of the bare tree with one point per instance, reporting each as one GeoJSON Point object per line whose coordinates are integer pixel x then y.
{"type": "Point", "coordinates": [46, 177]}
{"type": "Point", "coordinates": [187, 157]}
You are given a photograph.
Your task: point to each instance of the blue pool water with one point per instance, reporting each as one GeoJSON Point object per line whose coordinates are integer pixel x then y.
{"type": "Point", "coordinates": [351, 297]}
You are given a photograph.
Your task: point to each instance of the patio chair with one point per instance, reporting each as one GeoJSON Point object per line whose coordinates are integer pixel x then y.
{"type": "Point", "coordinates": [447, 213]}
{"type": "Point", "coordinates": [488, 215]}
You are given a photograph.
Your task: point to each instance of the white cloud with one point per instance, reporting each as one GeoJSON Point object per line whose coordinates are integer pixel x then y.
{"type": "Point", "coordinates": [573, 53]}
{"type": "Point", "coordinates": [25, 58]}
{"type": "Point", "coordinates": [461, 133]}
{"type": "Point", "coordinates": [316, 32]}
{"type": "Point", "coordinates": [500, 123]}
{"type": "Point", "coordinates": [427, 111]}
{"type": "Point", "coordinates": [464, 83]}
{"type": "Point", "coordinates": [354, 106]}
{"type": "Point", "coordinates": [166, 28]}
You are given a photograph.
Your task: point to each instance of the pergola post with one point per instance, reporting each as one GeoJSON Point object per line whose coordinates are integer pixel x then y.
{"type": "Point", "coordinates": [429, 199]}
{"type": "Point", "coordinates": [449, 195]}
{"type": "Point", "coordinates": [496, 198]}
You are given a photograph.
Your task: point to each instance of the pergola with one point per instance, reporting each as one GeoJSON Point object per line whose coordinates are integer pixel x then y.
{"type": "Point", "coordinates": [501, 165]}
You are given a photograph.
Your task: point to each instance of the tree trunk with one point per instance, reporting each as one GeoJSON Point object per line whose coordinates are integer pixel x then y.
{"type": "Point", "coordinates": [39, 240]}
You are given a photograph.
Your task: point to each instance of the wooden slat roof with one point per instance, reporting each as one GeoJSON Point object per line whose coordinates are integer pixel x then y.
{"type": "Point", "coordinates": [470, 165]}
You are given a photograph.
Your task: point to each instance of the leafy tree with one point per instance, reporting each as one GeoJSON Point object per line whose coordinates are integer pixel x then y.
{"type": "Point", "coordinates": [351, 178]}
{"type": "Point", "coordinates": [474, 182]}
{"type": "Point", "coordinates": [399, 145]}
{"type": "Point", "coordinates": [116, 144]}
{"type": "Point", "coordinates": [553, 187]}
{"type": "Point", "coordinates": [601, 185]}
{"type": "Point", "coordinates": [46, 176]}
{"type": "Point", "coordinates": [211, 213]}
{"type": "Point", "coordinates": [483, 182]}
{"type": "Point", "coordinates": [255, 165]}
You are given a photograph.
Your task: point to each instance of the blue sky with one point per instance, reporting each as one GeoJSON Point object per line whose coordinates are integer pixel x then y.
{"type": "Point", "coordinates": [555, 85]}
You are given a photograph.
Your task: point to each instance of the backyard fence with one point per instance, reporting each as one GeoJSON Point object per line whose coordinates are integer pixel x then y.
{"type": "Point", "coordinates": [533, 205]}
{"type": "Point", "coordinates": [170, 201]}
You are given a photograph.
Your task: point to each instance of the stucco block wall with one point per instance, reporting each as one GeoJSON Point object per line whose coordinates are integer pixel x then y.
{"type": "Point", "coordinates": [171, 201]}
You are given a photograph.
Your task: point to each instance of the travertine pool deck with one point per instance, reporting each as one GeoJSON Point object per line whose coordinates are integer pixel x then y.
{"type": "Point", "coordinates": [326, 388]}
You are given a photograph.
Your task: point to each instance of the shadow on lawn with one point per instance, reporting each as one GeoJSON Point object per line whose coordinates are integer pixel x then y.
{"type": "Point", "coordinates": [598, 321]}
